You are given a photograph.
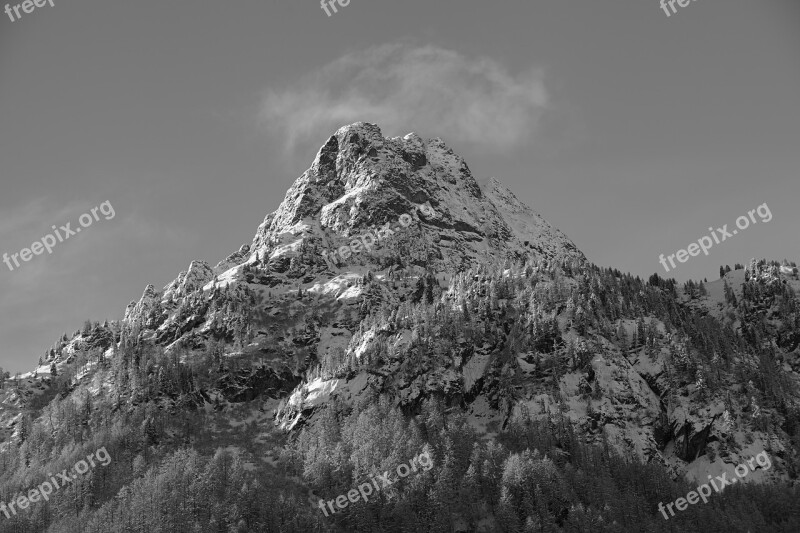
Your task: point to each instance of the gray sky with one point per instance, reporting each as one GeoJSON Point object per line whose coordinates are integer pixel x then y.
{"type": "Point", "coordinates": [631, 131]}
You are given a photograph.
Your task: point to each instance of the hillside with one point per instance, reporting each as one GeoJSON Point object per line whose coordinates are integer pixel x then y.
{"type": "Point", "coordinates": [393, 306]}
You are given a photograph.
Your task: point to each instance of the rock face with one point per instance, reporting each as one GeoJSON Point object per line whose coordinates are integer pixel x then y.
{"type": "Point", "coordinates": [138, 312]}
{"type": "Point", "coordinates": [551, 337]}
{"type": "Point", "coordinates": [360, 181]}
{"type": "Point", "coordinates": [232, 260]}
{"type": "Point", "coordinates": [198, 275]}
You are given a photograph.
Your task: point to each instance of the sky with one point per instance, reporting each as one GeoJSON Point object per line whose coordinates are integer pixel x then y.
{"type": "Point", "coordinates": [630, 130]}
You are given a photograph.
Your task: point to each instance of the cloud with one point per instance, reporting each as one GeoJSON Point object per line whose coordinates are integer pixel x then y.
{"type": "Point", "coordinates": [430, 90]}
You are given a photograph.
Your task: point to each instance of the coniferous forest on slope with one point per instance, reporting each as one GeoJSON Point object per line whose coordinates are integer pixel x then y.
{"type": "Point", "coordinates": [173, 469]}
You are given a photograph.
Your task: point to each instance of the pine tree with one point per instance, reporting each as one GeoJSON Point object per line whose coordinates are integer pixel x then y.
{"type": "Point", "coordinates": [700, 381]}
{"type": "Point", "coordinates": [756, 408]}
{"type": "Point", "coordinates": [622, 337]}
{"type": "Point", "coordinates": [701, 290]}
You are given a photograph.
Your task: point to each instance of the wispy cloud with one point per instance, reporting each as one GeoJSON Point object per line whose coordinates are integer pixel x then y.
{"type": "Point", "coordinates": [430, 90]}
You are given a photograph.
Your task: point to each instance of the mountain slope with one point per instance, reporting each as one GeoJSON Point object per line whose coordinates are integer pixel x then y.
{"type": "Point", "coordinates": [470, 321]}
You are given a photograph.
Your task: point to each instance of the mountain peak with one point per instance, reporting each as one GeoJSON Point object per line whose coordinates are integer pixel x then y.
{"type": "Point", "coordinates": [361, 180]}
{"type": "Point", "coordinates": [365, 130]}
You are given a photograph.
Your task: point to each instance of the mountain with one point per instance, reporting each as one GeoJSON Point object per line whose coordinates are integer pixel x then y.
{"type": "Point", "coordinates": [392, 306]}
{"type": "Point", "coordinates": [361, 180]}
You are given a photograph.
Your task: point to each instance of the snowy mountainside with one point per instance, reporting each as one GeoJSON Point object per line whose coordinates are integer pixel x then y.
{"type": "Point", "coordinates": [479, 302]}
